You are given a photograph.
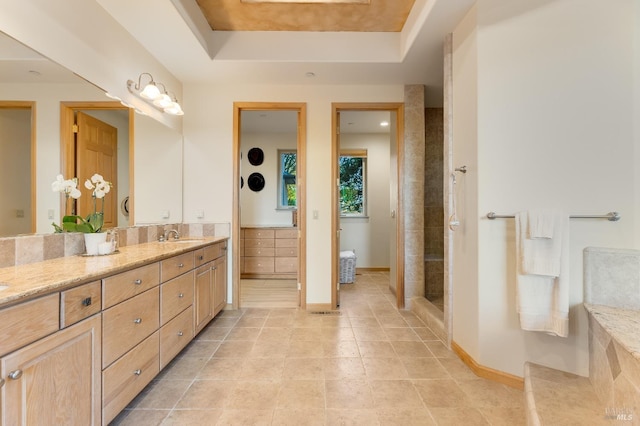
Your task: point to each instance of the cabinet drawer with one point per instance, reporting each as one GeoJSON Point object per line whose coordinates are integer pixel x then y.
{"type": "Point", "coordinates": [286, 264]}
{"type": "Point", "coordinates": [172, 267]}
{"type": "Point", "coordinates": [175, 335]}
{"type": "Point", "coordinates": [175, 296]}
{"type": "Point", "coordinates": [127, 324]}
{"type": "Point", "coordinates": [79, 303]}
{"type": "Point", "coordinates": [209, 253]}
{"type": "Point", "coordinates": [128, 376]}
{"type": "Point", "coordinates": [253, 243]}
{"type": "Point", "coordinates": [286, 252]}
{"type": "Point", "coordinates": [29, 321]}
{"type": "Point", "coordinates": [258, 264]}
{"type": "Point", "coordinates": [123, 286]}
{"type": "Point", "coordinates": [259, 252]}
{"type": "Point", "coordinates": [286, 233]}
{"type": "Point", "coordinates": [250, 233]}
{"type": "Point", "coordinates": [286, 242]}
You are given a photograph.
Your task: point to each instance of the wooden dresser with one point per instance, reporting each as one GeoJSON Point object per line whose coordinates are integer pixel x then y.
{"type": "Point", "coordinates": [268, 252]}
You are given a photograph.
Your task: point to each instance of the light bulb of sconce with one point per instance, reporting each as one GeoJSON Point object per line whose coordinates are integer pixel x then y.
{"type": "Point", "coordinates": [150, 91]}
{"type": "Point", "coordinates": [174, 109]}
{"type": "Point", "coordinates": [163, 101]}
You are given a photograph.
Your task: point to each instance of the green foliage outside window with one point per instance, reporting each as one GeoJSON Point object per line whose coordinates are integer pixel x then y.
{"type": "Point", "coordinates": [351, 185]}
{"type": "Point", "coordinates": [288, 165]}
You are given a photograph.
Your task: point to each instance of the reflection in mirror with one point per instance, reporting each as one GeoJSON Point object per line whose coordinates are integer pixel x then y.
{"type": "Point", "coordinates": [17, 143]}
{"type": "Point", "coordinates": [275, 133]}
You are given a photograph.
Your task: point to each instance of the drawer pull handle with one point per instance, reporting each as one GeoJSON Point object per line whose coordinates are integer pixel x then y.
{"type": "Point", "coordinates": [180, 333]}
{"type": "Point", "coordinates": [137, 320]}
{"type": "Point", "coordinates": [181, 265]}
{"type": "Point", "coordinates": [15, 375]}
{"type": "Point", "coordinates": [201, 257]}
{"type": "Point", "coordinates": [86, 302]}
{"type": "Point", "coordinates": [137, 372]}
{"type": "Point", "coordinates": [180, 295]}
{"type": "Point", "coordinates": [223, 249]}
{"type": "Point", "coordinates": [138, 281]}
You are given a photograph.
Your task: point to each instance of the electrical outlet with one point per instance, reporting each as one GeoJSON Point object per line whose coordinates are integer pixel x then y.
{"type": "Point", "coordinates": [19, 213]}
{"type": "Point", "coordinates": [315, 214]}
{"type": "Point", "coordinates": [50, 213]}
{"type": "Point", "coordinates": [200, 214]}
{"type": "Point", "coordinates": [164, 214]}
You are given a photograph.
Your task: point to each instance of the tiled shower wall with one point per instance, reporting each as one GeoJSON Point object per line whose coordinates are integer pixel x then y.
{"type": "Point", "coordinates": [22, 250]}
{"type": "Point", "coordinates": [434, 205]}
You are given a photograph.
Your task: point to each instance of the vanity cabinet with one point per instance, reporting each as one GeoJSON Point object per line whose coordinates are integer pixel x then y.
{"type": "Point", "coordinates": [55, 380]}
{"type": "Point", "coordinates": [269, 252]}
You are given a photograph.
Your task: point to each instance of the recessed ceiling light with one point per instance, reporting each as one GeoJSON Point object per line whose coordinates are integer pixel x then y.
{"type": "Point", "coordinates": [310, 74]}
{"type": "Point", "coordinates": [36, 73]}
{"type": "Point", "coordinates": [384, 123]}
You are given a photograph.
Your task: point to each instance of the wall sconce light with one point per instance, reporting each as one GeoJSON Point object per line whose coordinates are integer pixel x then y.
{"type": "Point", "coordinates": [156, 97]}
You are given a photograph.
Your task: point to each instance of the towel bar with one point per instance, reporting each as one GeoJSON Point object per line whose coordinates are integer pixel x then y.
{"type": "Point", "coordinates": [611, 216]}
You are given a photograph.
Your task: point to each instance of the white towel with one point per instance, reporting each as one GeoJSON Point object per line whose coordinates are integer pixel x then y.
{"type": "Point", "coordinates": [540, 246]}
{"type": "Point", "coordinates": [540, 223]}
{"type": "Point", "coordinates": [543, 277]}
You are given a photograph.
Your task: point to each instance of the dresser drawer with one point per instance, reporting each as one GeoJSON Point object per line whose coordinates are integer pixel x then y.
{"type": "Point", "coordinates": [175, 335]}
{"type": "Point", "coordinates": [209, 253]}
{"type": "Point", "coordinates": [123, 286]}
{"type": "Point", "coordinates": [28, 322]}
{"type": "Point", "coordinates": [79, 303]}
{"type": "Point", "coordinates": [286, 233]}
{"type": "Point", "coordinates": [259, 252]}
{"type": "Point", "coordinates": [127, 324]}
{"type": "Point", "coordinates": [253, 243]}
{"type": "Point", "coordinates": [174, 266]}
{"type": "Point", "coordinates": [286, 252]}
{"type": "Point", "coordinates": [286, 264]}
{"type": "Point", "coordinates": [254, 265]}
{"type": "Point", "coordinates": [175, 296]}
{"type": "Point", "coordinates": [251, 233]}
{"type": "Point", "coordinates": [286, 242]}
{"type": "Point", "coordinates": [122, 381]}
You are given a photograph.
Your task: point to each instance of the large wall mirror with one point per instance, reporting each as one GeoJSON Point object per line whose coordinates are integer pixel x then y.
{"type": "Point", "coordinates": [39, 103]}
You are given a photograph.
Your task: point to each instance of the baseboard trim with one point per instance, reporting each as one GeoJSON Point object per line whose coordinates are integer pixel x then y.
{"type": "Point", "coordinates": [486, 372]}
{"type": "Point", "coordinates": [319, 307]}
{"type": "Point", "coordinates": [360, 270]}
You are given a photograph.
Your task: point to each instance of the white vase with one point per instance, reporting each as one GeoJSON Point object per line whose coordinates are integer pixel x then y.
{"type": "Point", "coordinates": [91, 242]}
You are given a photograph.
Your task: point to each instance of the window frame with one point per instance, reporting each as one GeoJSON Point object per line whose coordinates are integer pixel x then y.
{"type": "Point", "coordinates": [356, 153]}
{"type": "Point", "coordinates": [281, 182]}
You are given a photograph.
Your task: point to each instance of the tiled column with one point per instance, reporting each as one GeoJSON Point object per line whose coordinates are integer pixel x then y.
{"type": "Point", "coordinates": [412, 192]}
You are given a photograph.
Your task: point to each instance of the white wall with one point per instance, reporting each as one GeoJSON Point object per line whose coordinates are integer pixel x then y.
{"type": "Point", "coordinates": [259, 208]}
{"type": "Point", "coordinates": [554, 129]}
{"type": "Point", "coordinates": [208, 132]}
{"type": "Point", "coordinates": [370, 236]}
{"type": "Point", "coordinates": [15, 171]}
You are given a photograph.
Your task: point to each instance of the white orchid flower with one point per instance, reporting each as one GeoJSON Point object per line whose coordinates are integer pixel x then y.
{"type": "Point", "coordinates": [75, 193]}
{"type": "Point", "coordinates": [58, 184]}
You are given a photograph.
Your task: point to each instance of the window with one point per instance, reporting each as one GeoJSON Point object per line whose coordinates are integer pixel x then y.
{"type": "Point", "coordinates": [287, 196]}
{"type": "Point", "coordinates": [352, 165]}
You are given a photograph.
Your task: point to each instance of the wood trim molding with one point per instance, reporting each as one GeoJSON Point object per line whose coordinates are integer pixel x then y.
{"type": "Point", "coordinates": [486, 372]}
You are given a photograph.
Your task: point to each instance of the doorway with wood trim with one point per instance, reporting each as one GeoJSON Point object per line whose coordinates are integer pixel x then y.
{"type": "Point", "coordinates": [268, 230]}
{"type": "Point", "coordinates": [389, 218]}
{"type": "Point", "coordinates": [97, 137]}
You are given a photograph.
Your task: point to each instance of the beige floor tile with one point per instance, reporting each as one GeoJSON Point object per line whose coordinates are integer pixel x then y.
{"type": "Point", "coordinates": [303, 369]}
{"type": "Point", "coordinates": [223, 322]}
{"type": "Point", "coordinates": [201, 348]}
{"type": "Point", "coordinates": [340, 349]}
{"type": "Point", "coordinates": [140, 417]}
{"type": "Point", "coordinates": [253, 395]}
{"type": "Point", "coordinates": [370, 334]}
{"type": "Point", "coordinates": [439, 350]}
{"type": "Point", "coordinates": [391, 321]}
{"type": "Point", "coordinates": [284, 321]}
{"type": "Point", "coordinates": [243, 333]}
{"type": "Point", "coordinates": [298, 417]}
{"type": "Point", "coordinates": [301, 394]}
{"type": "Point", "coordinates": [283, 312]}
{"type": "Point", "coordinates": [234, 349]}
{"type": "Point", "coordinates": [395, 394]}
{"type": "Point", "coordinates": [232, 417]}
{"type": "Point", "coordinates": [213, 333]}
{"type": "Point", "coordinates": [510, 416]}
{"type": "Point", "coordinates": [183, 368]}
{"type": "Point", "coordinates": [332, 321]}
{"type": "Point", "coordinates": [161, 394]}
{"type": "Point", "coordinates": [352, 417]}
{"type": "Point", "coordinates": [221, 369]}
{"type": "Point", "coordinates": [410, 349]}
{"type": "Point", "coordinates": [308, 321]}
{"type": "Point", "coordinates": [458, 417]}
{"type": "Point", "coordinates": [206, 394]}
{"type": "Point", "coordinates": [262, 369]}
{"type": "Point", "coordinates": [256, 313]}
{"type": "Point", "coordinates": [269, 349]}
{"type": "Point", "coordinates": [457, 369]}
{"type": "Point", "coordinates": [307, 334]}
{"type": "Point", "coordinates": [401, 334]}
{"type": "Point", "coordinates": [376, 349]}
{"type": "Point", "coordinates": [305, 349]}
{"type": "Point", "coordinates": [442, 393]}
{"type": "Point", "coordinates": [275, 334]}
{"type": "Point", "coordinates": [250, 322]}
{"type": "Point", "coordinates": [336, 334]}
{"type": "Point", "coordinates": [425, 333]}
{"type": "Point", "coordinates": [193, 418]}
{"type": "Point", "coordinates": [384, 368]}
{"type": "Point", "coordinates": [485, 393]}
{"type": "Point", "coordinates": [405, 417]}
{"type": "Point", "coordinates": [364, 322]}
{"type": "Point", "coordinates": [348, 394]}
{"type": "Point", "coordinates": [424, 368]}
{"type": "Point", "coordinates": [347, 368]}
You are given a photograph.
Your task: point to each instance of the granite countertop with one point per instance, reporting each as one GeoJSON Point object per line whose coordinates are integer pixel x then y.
{"type": "Point", "coordinates": [621, 324]}
{"type": "Point", "coordinates": [28, 281]}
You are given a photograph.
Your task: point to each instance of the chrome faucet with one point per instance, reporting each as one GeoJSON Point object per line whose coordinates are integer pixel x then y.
{"type": "Point", "coordinates": [167, 234]}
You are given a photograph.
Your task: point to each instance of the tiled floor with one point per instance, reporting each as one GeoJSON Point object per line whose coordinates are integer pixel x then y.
{"type": "Point", "coordinates": [369, 365]}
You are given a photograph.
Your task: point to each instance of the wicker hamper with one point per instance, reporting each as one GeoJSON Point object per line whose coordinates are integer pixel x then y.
{"type": "Point", "coordinates": [347, 266]}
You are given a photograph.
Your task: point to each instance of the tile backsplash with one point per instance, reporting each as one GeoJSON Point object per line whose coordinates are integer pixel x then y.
{"type": "Point", "coordinates": [24, 249]}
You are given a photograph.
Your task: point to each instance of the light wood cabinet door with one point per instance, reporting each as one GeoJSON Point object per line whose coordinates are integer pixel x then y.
{"type": "Point", "coordinates": [203, 300]}
{"type": "Point", "coordinates": [56, 380]}
{"type": "Point", "coordinates": [219, 270]}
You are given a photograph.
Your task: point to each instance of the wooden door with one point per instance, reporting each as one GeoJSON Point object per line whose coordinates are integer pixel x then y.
{"type": "Point", "coordinates": [203, 297]}
{"type": "Point", "coordinates": [336, 254]}
{"type": "Point", "coordinates": [97, 152]}
{"type": "Point", "coordinates": [56, 380]}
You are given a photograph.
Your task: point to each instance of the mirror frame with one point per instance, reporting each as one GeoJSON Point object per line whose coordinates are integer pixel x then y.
{"type": "Point", "coordinates": [67, 142]}
{"type": "Point", "coordinates": [30, 105]}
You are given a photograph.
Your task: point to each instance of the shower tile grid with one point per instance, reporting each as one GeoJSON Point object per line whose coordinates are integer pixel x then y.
{"type": "Point", "coordinates": [368, 364]}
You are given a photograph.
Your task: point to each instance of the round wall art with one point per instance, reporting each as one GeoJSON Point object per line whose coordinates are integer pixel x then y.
{"type": "Point", "coordinates": [255, 182]}
{"type": "Point", "coordinates": [255, 156]}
